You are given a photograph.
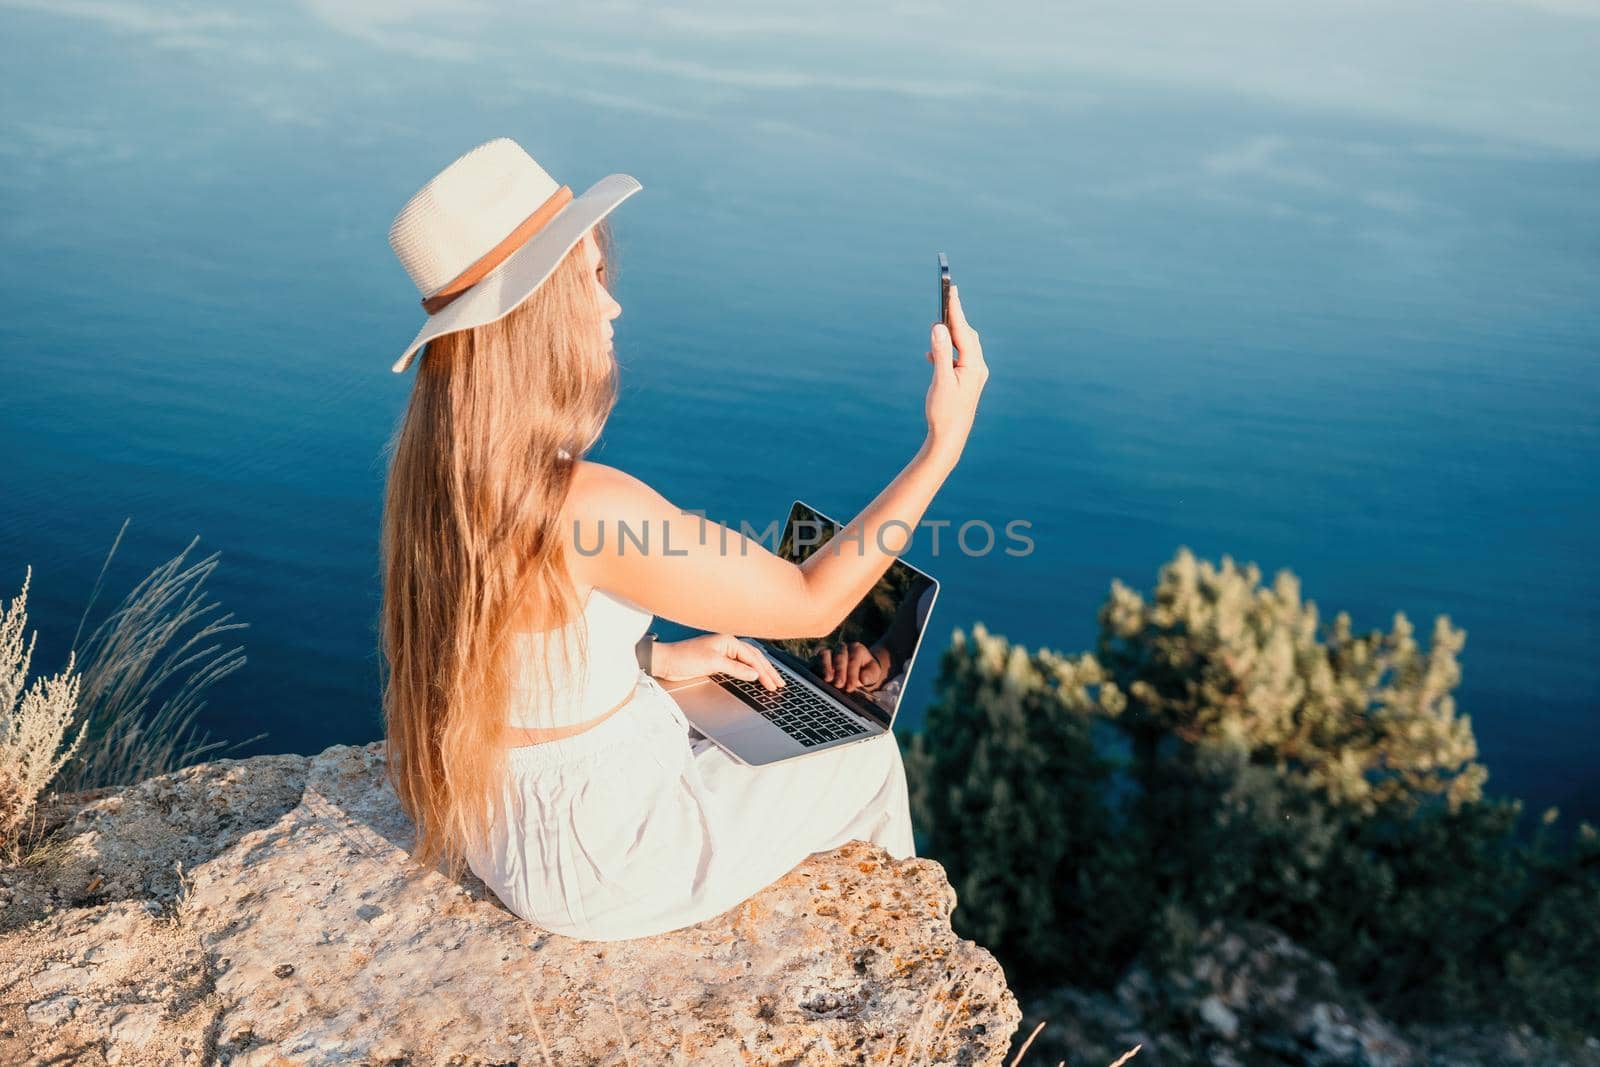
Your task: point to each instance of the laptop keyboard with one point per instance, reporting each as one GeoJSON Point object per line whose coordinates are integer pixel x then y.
{"type": "Point", "coordinates": [796, 709]}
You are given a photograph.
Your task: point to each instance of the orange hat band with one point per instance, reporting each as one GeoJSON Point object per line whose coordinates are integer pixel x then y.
{"type": "Point", "coordinates": [497, 255]}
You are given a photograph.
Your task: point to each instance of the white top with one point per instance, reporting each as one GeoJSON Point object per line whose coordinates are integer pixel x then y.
{"type": "Point", "coordinates": [614, 627]}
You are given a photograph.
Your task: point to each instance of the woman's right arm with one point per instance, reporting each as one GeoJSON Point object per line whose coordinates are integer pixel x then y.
{"type": "Point", "coordinates": [700, 573]}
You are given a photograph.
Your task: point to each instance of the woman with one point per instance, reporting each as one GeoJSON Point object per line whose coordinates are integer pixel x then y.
{"type": "Point", "coordinates": [523, 736]}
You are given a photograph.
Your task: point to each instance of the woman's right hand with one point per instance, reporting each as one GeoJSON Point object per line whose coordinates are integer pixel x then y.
{"type": "Point", "coordinates": [958, 379]}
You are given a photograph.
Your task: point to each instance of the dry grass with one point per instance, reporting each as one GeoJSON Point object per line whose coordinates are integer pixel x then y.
{"type": "Point", "coordinates": [33, 722]}
{"type": "Point", "coordinates": [134, 651]}
{"type": "Point", "coordinates": [105, 691]}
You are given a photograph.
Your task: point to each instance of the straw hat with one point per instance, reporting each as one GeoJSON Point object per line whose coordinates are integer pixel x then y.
{"type": "Point", "coordinates": [486, 231]}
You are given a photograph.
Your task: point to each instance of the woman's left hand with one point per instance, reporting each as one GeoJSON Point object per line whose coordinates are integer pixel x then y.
{"type": "Point", "coordinates": [714, 654]}
{"type": "Point", "coordinates": [853, 666]}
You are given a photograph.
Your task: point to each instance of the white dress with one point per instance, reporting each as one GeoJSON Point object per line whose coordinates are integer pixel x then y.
{"type": "Point", "coordinates": [641, 825]}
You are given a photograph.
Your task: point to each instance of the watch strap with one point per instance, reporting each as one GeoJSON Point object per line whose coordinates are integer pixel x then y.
{"type": "Point", "coordinates": [645, 651]}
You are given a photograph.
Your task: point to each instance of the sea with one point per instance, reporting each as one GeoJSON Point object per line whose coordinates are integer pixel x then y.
{"type": "Point", "coordinates": [1316, 292]}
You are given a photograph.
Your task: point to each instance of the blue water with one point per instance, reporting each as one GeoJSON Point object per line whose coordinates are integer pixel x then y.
{"type": "Point", "coordinates": [1343, 326]}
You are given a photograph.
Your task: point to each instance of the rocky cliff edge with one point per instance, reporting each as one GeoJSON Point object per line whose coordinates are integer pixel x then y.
{"type": "Point", "coordinates": [261, 911]}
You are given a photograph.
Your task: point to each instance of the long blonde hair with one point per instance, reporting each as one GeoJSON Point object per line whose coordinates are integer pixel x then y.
{"type": "Point", "coordinates": [471, 552]}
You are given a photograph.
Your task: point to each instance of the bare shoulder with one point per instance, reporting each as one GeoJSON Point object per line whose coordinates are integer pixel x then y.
{"type": "Point", "coordinates": [601, 501]}
{"type": "Point", "coordinates": [601, 491]}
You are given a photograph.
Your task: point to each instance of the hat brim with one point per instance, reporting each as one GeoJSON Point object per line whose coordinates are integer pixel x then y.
{"type": "Point", "coordinates": [525, 269]}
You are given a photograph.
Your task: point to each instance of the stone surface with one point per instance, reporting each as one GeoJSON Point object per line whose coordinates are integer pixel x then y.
{"type": "Point", "coordinates": [261, 912]}
{"type": "Point", "coordinates": [107, 984]}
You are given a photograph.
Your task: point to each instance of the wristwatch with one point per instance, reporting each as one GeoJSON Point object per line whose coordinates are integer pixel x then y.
{"type": "Point", "coordinates": [645, 652]}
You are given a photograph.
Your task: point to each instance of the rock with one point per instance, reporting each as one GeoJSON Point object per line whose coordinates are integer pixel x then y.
{"type": "Point", "coordinates": [1250, 996]}
{"type": "Point", "coordinates": [1485, 1045]}
{"type": "Point", "coordinates": [128, 845]}
{"type": "Point", "coordinates": [1290, 999]}
{"type": "Point", "coordinates": [1219, 1017]}
{"type": "Point", "coordinates": [141, 996]}
{"type": "Point", "coordinates": [288, 927]}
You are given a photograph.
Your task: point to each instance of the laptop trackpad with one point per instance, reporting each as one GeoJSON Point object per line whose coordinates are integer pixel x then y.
{"type": "Point", "coordinates": [713, 710]}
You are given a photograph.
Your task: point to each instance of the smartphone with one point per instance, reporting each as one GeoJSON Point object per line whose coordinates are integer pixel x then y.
{"type": "Point", "coordinates": [944, 290]}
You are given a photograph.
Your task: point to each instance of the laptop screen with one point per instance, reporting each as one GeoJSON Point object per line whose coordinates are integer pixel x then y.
{"type": "Point", "coordinates": [871, 652]}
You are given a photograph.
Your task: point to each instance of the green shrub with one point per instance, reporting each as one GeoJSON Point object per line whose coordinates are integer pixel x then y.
{"type": "Point", "coordinates": [1009, 781]}
{"type": "Point", "coordinates": [1223, 756]}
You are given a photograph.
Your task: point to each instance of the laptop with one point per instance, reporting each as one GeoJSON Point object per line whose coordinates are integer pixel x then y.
{"type": "Point", "coordinates": [809, 714]}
